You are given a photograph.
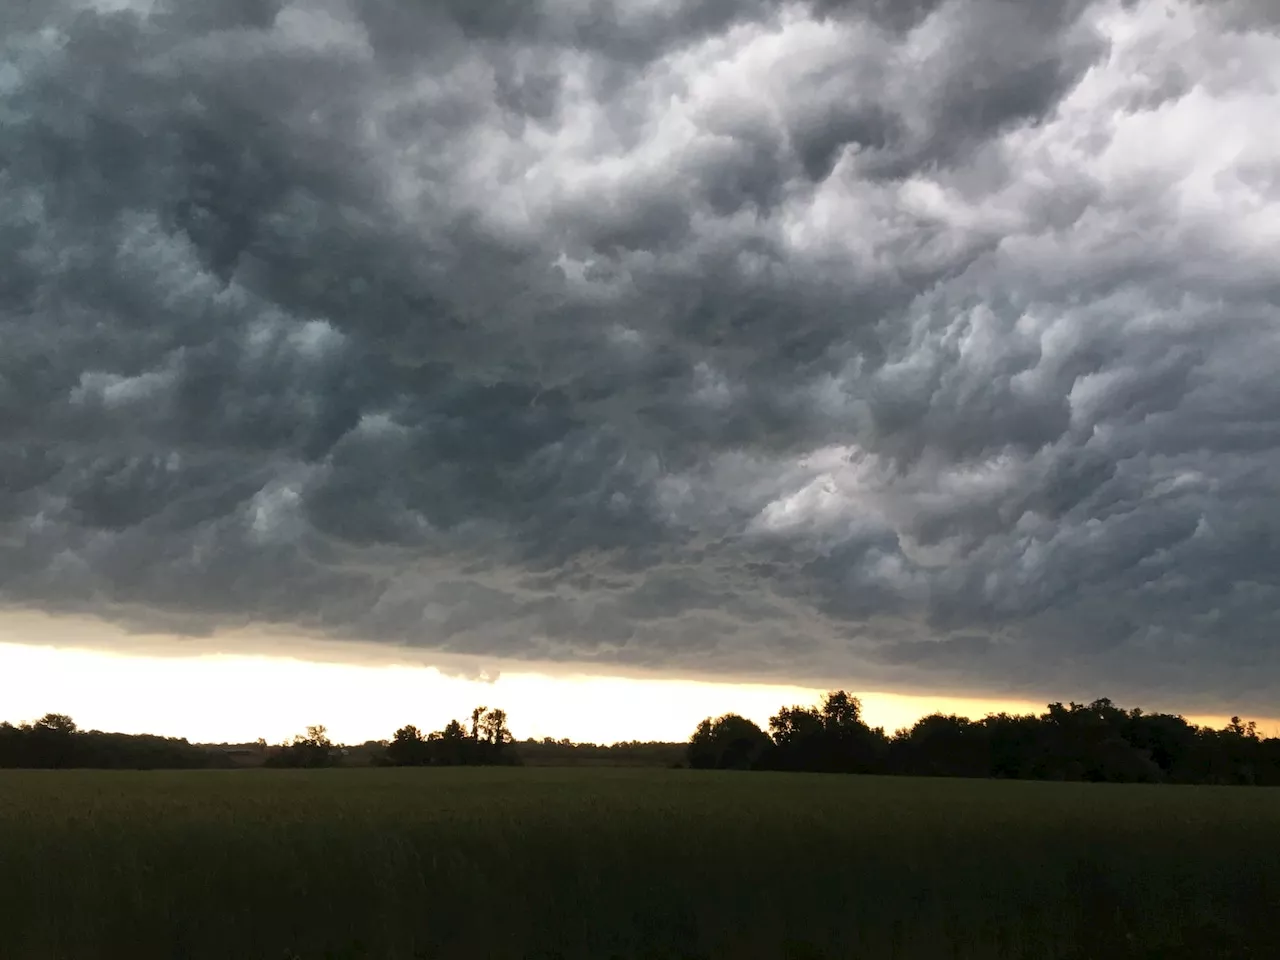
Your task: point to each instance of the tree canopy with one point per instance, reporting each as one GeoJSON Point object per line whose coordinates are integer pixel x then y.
{"type": "Point", "coordinates": [1098, 741]}
{"type": "Point", "coordinates": [484, 743]}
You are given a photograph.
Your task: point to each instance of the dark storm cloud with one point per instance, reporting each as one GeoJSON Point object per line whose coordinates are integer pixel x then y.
{"type": "Point", "coordinates": [899, 344]}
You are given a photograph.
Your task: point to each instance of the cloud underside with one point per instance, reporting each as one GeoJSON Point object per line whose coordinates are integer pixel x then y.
{"type": "Point", "coordinates": [927, 345]}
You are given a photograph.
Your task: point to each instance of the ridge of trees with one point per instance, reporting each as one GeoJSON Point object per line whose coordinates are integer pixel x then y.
{"type": "Point", "coordinates": [1097, 741]}
{"type": "Point", "coordinates": [485, 743]}
{"type": "Point", "coordinates": [54, 741]}
{"type": "Point", "coordinates": [310, 749]}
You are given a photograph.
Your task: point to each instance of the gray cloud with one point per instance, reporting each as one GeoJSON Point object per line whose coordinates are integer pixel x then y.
{"type": "Point", "coordinates": [917, 345]}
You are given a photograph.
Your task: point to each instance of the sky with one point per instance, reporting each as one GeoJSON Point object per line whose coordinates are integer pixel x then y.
{"type": "Point", "coordinates": [925, 349]}
{"type": "Point", "coordinates": [268, 685]}
{"type": "Point", "coordinates": [239, 697]}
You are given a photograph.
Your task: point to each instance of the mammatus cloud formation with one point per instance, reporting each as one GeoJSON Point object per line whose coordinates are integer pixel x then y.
{"type": "Point", "coordinates": [927, 344]}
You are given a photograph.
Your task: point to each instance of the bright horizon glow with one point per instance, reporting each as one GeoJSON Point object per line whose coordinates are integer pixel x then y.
{"type": "Point", "coordinates": [246, 684]}
{"type": "Point", "coordinates": [233, 698]}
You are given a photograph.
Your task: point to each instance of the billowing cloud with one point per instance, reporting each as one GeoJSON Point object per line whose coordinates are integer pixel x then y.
{"type": "Point", "coordinates": [924, 345]}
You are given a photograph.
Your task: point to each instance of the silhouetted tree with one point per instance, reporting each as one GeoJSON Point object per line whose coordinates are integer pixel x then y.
{"type": "Point", "coordinates": [489, 739]}
{"type": "Point", "coordinates": [12, 742]}
{"type": "Point", "coordinates": [1095, 741]}
{"type": "Point", "coordinates": [1091, 742]}
{"type": "Point", "coordinates": [831, 737]}
{"type": "Point", "coordinates": [493, 729]}
{"type": "Point", "coordinates": [1269, 762]}
{"type": "Point", "coordinates": [486, 741]}
{"type": "Point", "coordinates": [1168, 740]}
{"type": "Point", "coordinates": [797, 739]}
{"type": "Point", "coordinates": [53, 741]}
{"type": "Point", "coordinates": [452, 745]}
{"type": "Point", "coordinates": [730, 742]}
{"type": "Point", "coordinates": [941, 746]}
{"type": "Point", "coordinates": [311, 749]}
{"type": "Point", "coordinates": [1017, 749]}
{"type": "Point", "coordinates": [408, 748]}
{"type": "Point", "coordinates": [852, 745]}
{"type": "Point", "coordinates": [56, 741]}
{"type": "Point", "coordinates": [1228, 756]}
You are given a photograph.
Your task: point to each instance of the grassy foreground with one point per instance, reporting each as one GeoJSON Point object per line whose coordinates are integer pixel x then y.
{"type": "Point", "coordinates": [500, 863]}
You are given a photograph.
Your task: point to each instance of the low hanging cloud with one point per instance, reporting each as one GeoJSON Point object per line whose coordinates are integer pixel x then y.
{"type": "Point", "coordinates": [925, 345]}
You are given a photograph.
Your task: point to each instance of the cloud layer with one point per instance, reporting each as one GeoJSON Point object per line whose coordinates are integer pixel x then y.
{"type": "Point", "coordinates": [924, 345]}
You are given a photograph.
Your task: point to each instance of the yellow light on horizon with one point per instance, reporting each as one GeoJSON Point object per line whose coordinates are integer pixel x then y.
{"type": "Point", "coordinates": [238, 698]}
{"type": "Point", "coordinates": [274, 685]}
{"type": "Point", "coordinates": [233, 698]}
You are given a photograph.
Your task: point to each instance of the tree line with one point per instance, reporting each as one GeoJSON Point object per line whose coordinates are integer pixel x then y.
{"type": "Point", "coordinates": [56, 742]}
{"type": "Point", "coordinates": [485, 742]}
{"type": "Point", "coordinates": [1097, 741]}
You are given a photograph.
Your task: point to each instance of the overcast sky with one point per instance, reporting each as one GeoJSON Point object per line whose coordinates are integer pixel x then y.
{"type": "Point", "coordinates": [912, 346]}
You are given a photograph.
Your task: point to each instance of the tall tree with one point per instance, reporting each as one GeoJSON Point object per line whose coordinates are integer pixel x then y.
{"type": "Point", "coordinates": [53, 739]}
{"type": "Point", "coordinates": [729, 742]}
{"type": "Point", "coordinates": [310, 749]}
{"type": "Point", "coordinates": [831, 737]}
{"type": "Point", "coordinates": [408, 748]}
{"type": "Point", "coordinates": [493, 728]}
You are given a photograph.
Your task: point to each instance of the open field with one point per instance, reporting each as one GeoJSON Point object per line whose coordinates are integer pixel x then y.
{"type": "Point", "coordinates": [500, 863]}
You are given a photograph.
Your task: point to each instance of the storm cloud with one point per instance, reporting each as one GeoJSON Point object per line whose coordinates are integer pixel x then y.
{"type": "Point", "coordinates": [916, 346]}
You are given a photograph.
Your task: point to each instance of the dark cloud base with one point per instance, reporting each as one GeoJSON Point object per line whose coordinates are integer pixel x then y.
{"type": "Point", "coordinates": [903, 343]}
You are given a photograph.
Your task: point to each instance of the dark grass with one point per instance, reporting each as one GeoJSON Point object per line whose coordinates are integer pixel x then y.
{"type": "Point", "coordinates": [627, 863]}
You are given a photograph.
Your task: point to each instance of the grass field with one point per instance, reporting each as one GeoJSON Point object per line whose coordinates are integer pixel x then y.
{"type": "Point", "coordinates": [490, 863]}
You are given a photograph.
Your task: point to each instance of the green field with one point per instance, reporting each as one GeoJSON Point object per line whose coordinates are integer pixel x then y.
{"type": "Point", "coordinates": [496, 863]}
